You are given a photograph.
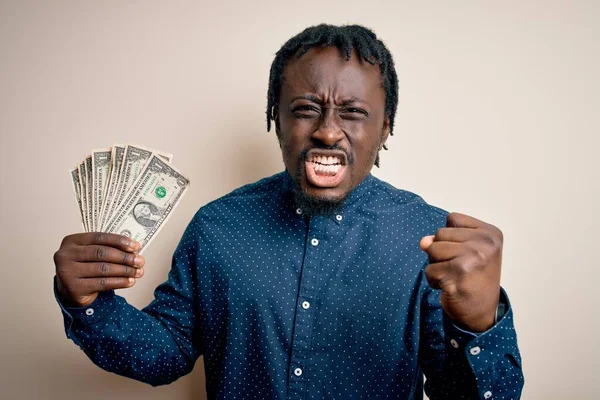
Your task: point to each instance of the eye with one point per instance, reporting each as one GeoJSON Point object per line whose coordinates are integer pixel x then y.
{"type": "Point", "coordinates": [306, 111]}
{"type": "Point", "coordinates": [353, 113]}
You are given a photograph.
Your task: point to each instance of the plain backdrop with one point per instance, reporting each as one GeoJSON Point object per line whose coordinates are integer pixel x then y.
{"type": "Point", "coordinates": [498, 118]}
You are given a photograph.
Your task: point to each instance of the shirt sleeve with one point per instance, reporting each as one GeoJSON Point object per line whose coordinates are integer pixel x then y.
{"type": "Point", "coordinates": [156, 345]}
{"type": "Point", "coordinates": [463, 365]}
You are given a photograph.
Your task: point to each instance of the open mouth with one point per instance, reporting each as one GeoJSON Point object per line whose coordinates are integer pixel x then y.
{"type": "Point", "coordinates": [325, 168]}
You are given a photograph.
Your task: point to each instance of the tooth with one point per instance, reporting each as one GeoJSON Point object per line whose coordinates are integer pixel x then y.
{"type": "Point", "coordinates": [330, 160]}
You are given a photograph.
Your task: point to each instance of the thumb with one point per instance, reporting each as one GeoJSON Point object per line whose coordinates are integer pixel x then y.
{"type": "Point", "coordinates": [426, 241]}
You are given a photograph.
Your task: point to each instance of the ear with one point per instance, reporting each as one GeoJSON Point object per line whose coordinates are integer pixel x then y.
{"type": "Point", "coordinates": [385, 132]}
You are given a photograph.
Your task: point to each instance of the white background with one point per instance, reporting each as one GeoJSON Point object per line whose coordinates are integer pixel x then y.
{"type": "Point", "coordinates": [498, 118]}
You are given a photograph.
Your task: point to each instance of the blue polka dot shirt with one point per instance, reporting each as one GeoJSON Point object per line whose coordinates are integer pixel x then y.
{"type": "Point", "coordinates": [283, 306]}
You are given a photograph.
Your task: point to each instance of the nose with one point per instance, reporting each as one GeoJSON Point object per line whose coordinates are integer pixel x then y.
{"type": "Point", "coordinates": [329, 131]}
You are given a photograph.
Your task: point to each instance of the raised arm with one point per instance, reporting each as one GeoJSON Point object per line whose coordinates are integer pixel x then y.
{"type": "Point", "coordinates": [466, 351]}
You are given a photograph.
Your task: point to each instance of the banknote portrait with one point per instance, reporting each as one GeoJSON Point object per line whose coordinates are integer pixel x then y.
{"type": "Point", "coordinates": [146, 214]}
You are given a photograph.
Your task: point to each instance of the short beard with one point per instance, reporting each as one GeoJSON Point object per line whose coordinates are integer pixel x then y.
{"type": "Point", "coordinates": [312, 205]}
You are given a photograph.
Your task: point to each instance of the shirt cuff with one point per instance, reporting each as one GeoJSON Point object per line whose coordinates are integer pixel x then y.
{"type": "Point", "coordinates": [485, 350]}
{"type": "Point", "coordinates": [89, 315]}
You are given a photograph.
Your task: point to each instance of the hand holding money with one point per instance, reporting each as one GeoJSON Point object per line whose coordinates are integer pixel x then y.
{"type": "Point", "coordinates": [125, 194]}
{"type": "Point", "coordinates": [89, 263]}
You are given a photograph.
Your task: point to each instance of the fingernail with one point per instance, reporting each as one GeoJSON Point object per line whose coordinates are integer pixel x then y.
{"type": "Point", "coordinates": [133, 245]}
{"type": "Point", "coordinates": [131, 281]}
{"type": "Point", "coordinates": [139, 261]}
{"type": "Point", "coordinates": [139, 273]}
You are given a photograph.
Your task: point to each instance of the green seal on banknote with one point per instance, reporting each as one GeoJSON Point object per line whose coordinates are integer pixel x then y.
{"type": "Point", "coordinates": [160, 192]}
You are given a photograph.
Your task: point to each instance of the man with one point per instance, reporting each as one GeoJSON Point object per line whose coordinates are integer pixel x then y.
{"type": "Point", "coordinates": [321, 282]}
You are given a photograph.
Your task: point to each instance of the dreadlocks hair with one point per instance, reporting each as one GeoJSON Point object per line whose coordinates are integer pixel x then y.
{"type": "Point", "coordinates": [346, 38]}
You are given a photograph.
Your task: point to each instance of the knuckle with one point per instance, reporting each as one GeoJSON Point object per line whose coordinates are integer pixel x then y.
{"type": "Point", "coordinates": [99, 237]}
{"type": "Point", "coordinates": [449, 287]}
{"type": "Point", "coordinates": [125, 257]}
{"type": "Point", "coordinates": [61, 258]}
{"type": "Point", "coordinates": [480, 258]}
{"type": "Point", "coordinates": [459, 266]}
{"type": "Point", "coordinates": [453, 268]}
{"type": "Point", "coordinates": [452, 219]}
{"type": "Point", "coordinates": [58, 257]}
{"type": "Point", "coordinates": [499, 237]}
{"type": "Point", "coordinates": [488, 238]}
{"type": "Point", "coordinates": [103, 283]}
{"type": "Point", "coordinates": [101, 253]}
{"type": "Point", "coordinates": [69, 239]}
{"type": "Point", "coordinates": [66, 240]}
{"type": "Point", "coordinates": [476, 256]}
{"type": "Point", "coordinates": [103, 269]}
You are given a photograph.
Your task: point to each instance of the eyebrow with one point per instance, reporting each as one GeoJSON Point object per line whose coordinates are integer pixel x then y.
{"type": "Point", "coordinates": [316, 99]}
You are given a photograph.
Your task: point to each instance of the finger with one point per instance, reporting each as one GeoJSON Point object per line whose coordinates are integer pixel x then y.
{"type": "Point", "coordinates": [459, 235]}
{"type": "Point", "coordinates": [443, 275]}
{"type": "Point", "coordinates": [96, 253]}
{"type": "Point", "coordinates": [106, 239]}
{"type": "Point", "coordinates": [426, 242]}
{"type": "Point", "coordinates": [106, 269]}
{"type": "Point", "coordinates": [458, 220]}
{"type": "Point", "coordinates": [95, 285]}
{"type": "Point", "coordinates": [442, 251]}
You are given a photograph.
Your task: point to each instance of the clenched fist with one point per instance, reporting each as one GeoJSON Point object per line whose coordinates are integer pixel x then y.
{"type": "Point", "coordinates": [465, 259]}
{"type": "Point", "coordinates": [89, 263]}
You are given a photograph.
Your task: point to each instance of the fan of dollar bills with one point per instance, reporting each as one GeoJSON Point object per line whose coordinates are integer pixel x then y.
{"type": "Point", "coordinates": [127, 189]}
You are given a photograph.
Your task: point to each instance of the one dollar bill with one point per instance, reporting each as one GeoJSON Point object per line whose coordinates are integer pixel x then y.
{"type": "Point", "coordinates": [149, 202]}
{"type": "Point", "coordinates": [130, 165]}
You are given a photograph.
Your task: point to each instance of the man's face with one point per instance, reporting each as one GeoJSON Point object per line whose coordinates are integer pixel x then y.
{"type": "Point", "coordinates": [330, 121]}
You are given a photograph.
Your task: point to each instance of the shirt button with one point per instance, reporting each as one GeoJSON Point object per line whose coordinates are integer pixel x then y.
{"type": "Point", "coordinates": [475, 350]}
{"type": "Point", "coordinates": [297, 372]}
{"type": "Point", "coordinates": [454, 343]}
{"type": "Point", "coordinates": [89, 311]}
{"type": "Point", "coordinates": [305, 305]}
{"type": "Point", "coordinates": [339, 217]}
{"type": "Point", "coordinates": [298, 211]}
{"type": "Point", "coordinates": [314, 242]}
{"type": "Point", "coordinates": [487, 394]}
